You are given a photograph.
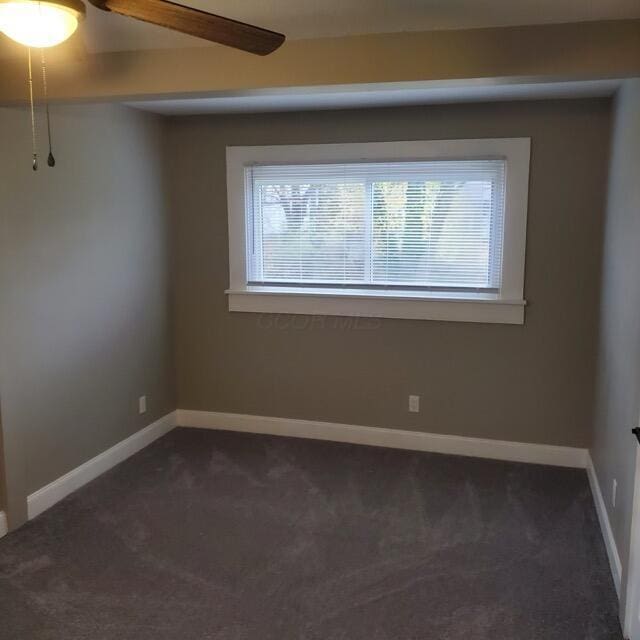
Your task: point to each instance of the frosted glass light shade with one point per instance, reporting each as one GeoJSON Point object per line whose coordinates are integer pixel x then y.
{"type": "Point", "coordinates": [38, 24]}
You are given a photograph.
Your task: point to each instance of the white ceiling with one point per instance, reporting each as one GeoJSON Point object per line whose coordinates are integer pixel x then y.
{"type": "Point", "coordinates": [384, 95]}
{"type": "Point", "coordinates": [324, 18]}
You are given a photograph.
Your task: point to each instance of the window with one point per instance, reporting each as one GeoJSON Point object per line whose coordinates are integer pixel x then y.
{"type": "Point", "coordinates": [428, 225]}
{"type": "Point", "coordinates": [422, 230]}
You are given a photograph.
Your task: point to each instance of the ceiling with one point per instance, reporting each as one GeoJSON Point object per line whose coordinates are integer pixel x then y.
{"type": "Point", "coordinates": [325, 18]}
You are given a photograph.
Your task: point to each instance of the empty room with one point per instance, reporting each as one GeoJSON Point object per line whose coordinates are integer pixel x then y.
{"type": "Point", "coordinates": [319, 321]}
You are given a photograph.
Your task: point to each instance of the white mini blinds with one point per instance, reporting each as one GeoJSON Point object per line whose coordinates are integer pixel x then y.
{"type": "Point", "coordinates": [434, 225]}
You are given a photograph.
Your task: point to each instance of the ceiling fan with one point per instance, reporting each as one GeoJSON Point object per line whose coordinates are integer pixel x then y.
{"type": "Point", "coordinates": [40, 24]}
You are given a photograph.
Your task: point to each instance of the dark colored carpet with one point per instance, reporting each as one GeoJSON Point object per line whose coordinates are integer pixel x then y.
{"type": "Point", "coordinates": [215, 535]}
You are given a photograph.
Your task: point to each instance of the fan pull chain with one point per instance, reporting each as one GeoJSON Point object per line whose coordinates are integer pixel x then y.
{"type": "Point", "coordinates": [33, 117]}
{"type": "Point", "coordinates": [51, 161]}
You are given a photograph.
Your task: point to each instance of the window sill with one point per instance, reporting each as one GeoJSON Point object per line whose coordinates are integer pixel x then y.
{"type": "Point", "coordinates": [410, 305]}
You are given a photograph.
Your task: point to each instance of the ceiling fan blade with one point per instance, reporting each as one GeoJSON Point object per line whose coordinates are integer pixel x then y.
{"type": "Point", "coordinates": [195, 22]}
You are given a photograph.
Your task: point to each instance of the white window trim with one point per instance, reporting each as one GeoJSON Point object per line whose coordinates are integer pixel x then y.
{"type": "Point", "coordinates": [506, 307]}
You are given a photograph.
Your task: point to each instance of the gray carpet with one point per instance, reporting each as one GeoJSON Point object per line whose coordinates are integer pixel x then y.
{"type": "Point", "coordinates": [216, 535]}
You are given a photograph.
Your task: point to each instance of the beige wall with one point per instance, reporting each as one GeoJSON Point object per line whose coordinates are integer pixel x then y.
{"type": "Point", "coordinates": [618, 389]}
{"type": "Point", "coordinates": [531, 383]}
{"type": "Point", "coordinates": [3, 488]}
{"type": "Point", "coordinates": [84, 313]}
{"type": "Point", "coordinates": [84, 292]}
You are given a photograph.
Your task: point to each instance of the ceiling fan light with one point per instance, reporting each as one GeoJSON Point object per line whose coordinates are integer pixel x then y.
{"type": "Point", "coordinates": [39, 24]}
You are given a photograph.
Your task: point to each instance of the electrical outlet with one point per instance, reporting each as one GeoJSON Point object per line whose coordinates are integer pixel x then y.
{"type": "Point", "coordinates": [414, 404]}
{"type": "Point", "coordinates": [142, 404]}
{"type": "Point", "coordinates": [614, 492]}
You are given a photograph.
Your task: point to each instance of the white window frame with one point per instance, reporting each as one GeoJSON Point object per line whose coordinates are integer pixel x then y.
{"type": "Point", "coordinates": [506, 307]}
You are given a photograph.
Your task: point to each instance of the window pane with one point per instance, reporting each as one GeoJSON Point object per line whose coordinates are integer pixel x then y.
{"type": "Point", "coordinates": [312, 232]}
{"type": "Point", "coordinates": [436, 232]}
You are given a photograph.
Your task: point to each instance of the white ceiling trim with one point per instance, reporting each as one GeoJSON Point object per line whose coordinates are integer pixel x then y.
{"type": "Point", "coordinates": [376, 95]}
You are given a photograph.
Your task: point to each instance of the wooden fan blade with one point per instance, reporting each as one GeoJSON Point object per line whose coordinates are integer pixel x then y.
{"type": "Point", "coordinates": [195, 22]}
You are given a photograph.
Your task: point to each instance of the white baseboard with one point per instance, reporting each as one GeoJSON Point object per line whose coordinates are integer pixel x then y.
{"type": "Point", "coordinates": [392, 438]}
{"type": "Point", "coordinates": [4, 526]}
{"type": "Point", "coordinates": [605, 525]}
{"type": "Point", "coordinates": [55, 491]}
{"type": "Point", "coordinates": [631, 605]}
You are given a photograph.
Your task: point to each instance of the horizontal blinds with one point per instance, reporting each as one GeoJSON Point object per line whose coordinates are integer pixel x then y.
{"type": "Point", "coordinates": [435, 224]}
